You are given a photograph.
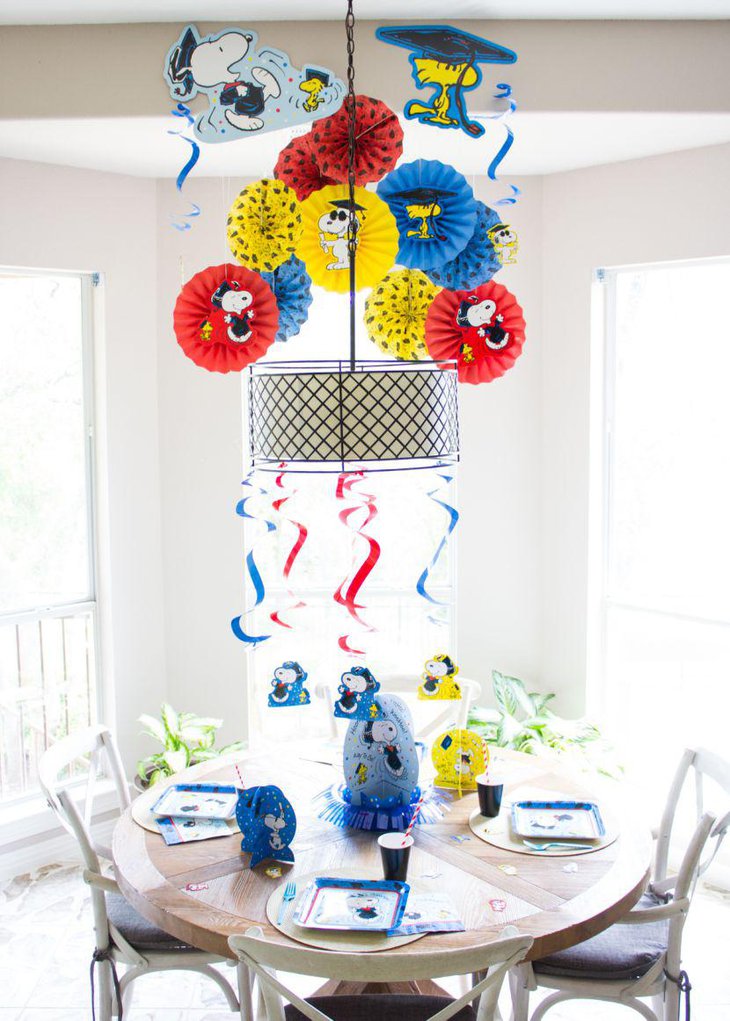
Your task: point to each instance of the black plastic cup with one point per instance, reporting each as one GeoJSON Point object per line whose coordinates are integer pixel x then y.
{"type": "Point", "coordinates": [395, 850]}
{"type": "Point", "coordinates": [490, 796]}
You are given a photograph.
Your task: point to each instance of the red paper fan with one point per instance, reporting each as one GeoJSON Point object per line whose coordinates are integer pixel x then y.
{"type": "Point", "coordinates": [297, 167]}
{"type": "Point", "coordinates": [378, 141]}
{"type": "Point", "coordinates": [482, 329]}
{"type": "Point", "coordinates": [225, 318]}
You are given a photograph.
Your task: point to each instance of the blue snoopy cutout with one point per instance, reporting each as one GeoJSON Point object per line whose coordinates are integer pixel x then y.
{"type": "Point", "coordinates": [288, 685]}
{"type": "Point", "coordinates": [267, 822]}
{"type": "Point", "coordinates": [356, 702]}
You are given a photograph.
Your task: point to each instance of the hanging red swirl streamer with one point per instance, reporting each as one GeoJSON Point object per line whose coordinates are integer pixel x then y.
{"type": "Point", "coordinates": [346, 594]}
{"type": "Point", "coordinates": [294, 552]}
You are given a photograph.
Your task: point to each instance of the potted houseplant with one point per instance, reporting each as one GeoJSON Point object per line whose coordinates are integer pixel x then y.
{"type": "Point", "coordinates": [524, 721]}
{"type": "Point", "coordinates": [185, 739]}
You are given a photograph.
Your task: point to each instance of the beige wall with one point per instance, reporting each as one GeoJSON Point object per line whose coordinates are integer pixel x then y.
{"type": "Point", "coordinates": [116, 70]}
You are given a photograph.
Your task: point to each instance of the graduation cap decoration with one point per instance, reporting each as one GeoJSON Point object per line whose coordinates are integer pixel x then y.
{"type": "Point", "coordinates": [315, 81]}
{"type": "Point", "coordinates": [435, 211]}
{"type": "Point", "coordinates": [458, 756]}
{"type": "Point", "coordinates": [267, 822]}
{"type": "Point", "coordinates": [448, 61]}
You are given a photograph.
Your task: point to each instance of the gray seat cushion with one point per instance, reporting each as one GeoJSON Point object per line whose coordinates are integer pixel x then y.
{"type": "Point", "coordinates": [372, 1007]}
{"type": "Point", "coordinates": [137, 931]}
{"type": "Point", "coordinates": [619, 952]}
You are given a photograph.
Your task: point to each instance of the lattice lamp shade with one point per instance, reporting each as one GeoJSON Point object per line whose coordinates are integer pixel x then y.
{"type": "Point", "coordinates": [326, 416]}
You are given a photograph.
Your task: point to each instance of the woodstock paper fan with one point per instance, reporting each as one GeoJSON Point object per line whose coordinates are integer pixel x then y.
{"type": "Point", "coordinates": [323, 245]}
{"type": "Point", "coordinates": [435, 210]}
{"type": "Point", "coordinates": [292, 288]}
{"type": "Point", "coordinates": [225, 318]}
{"type": "Point", "coordinates": [395, 313]}
{"type": "Point", "coordinates": [477, 262]}
{"type": "Point", "coordinates": [264, 225]}
{"type": "Point", "coordinates": [482, 329]}
{"type": "Point", "coordinates": [378, 141]}
{"type": "Point", "coordinates": [297, 168]}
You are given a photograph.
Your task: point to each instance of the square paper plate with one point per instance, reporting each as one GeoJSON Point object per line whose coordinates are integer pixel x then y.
{"type": "Point", "coordinates": [197, 801]}
{"type": "Point", "coordinates": [357, 905]}
{"type": "Point", "coordinates": [566, 820]}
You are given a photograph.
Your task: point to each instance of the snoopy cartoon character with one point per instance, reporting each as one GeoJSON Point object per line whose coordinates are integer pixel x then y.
{"type": "Point", "coordinates": [363, 906]}
{"type": "Point", "coordinates": [333, 230]}
{"type": "Point", "coordinates": [382, 734]}
{"type": "Point", "coordinates": [482, 316]}
{"type": "Point", "coordinates": [275, 821]}
{"type": "Point", "coordinates": [235, 303]}
{"type": "Point", "coordinates": [288, 685]}
{"type": "Point", "coordinates": [356, 700]}
{"type": "Point", "coordinates": [438, 679]}
{"type": "Point", "coordinates": [504, 241]}
{"type": "Point", "coordinates": [208, 65]}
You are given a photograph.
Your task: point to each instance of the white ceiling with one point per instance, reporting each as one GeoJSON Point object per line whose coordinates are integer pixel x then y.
{"type": "Point", "coordinates": [545, 143]}
{"type": "Point", "coordinates": [21, 12]}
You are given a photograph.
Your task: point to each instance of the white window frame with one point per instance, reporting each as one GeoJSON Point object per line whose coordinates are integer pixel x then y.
{"type": "Point", "coordinates": [28, 802]}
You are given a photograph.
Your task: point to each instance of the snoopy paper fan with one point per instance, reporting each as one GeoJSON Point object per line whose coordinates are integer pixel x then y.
{"type": "Point", "coordinates": [439, 680]}
{"type": "Point", "coordinates": [292, 288]}
{"type": "Point", "coordinates": [482, 330]}
{"type": "Point", "coordinates": [435, 210]}
{"type": "Point", "coordinates": [251, 88]}
{"type": "Point", "coordinates": [478, 261]}
{"type": "Point", "coordinates": [264, 225]}
{"type": "Point", "coordinates": [267, 822]}
{"type": "Point", "coordinates": [297, 167]}
{"type": "Point", "coordinates": [395, 313]}
{"type": "Point", "coordinates": [323, 246]}
{"type": "Point", "coordinates": [458, 756]}
{"type": "Point", "coordinates": [225, 318]}
{"type": "Point", "coordinates": [378, 141]}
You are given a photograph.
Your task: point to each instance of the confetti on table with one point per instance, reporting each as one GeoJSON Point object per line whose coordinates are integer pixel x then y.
{"type": "Point", "coordinates": [273, 872]}
{"type": "Point", "coordinates": [459, 838]}
{"type": "Point", "coordinates": [195, 887]}
{"type": "Point", "coordinates": [431, 875]}
{"type": "Point", "coordinates": [509, 870]}
{"type": "Point", "coordinates": [498, 905]}
{"type": "Point", "coordinates": [570, 867]}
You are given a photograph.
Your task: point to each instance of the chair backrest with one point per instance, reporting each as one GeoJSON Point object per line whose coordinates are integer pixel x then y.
{"type": "Point", "coordinates": [703, 763]}
{"type": "Point", "coordinates": [97, 745]}
{"type": "Point", "coordinates": [264, 958]}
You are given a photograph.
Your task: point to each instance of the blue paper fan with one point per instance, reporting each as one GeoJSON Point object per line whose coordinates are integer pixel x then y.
{"type": "Point", "coordinates": [477, 263]}
{"type": "Point", "coordinates": [435, 210]}
{"type": "Point", "coordinates": [292, 287]}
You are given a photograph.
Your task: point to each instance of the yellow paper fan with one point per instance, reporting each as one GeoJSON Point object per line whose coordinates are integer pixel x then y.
{"type": "Point", "coordinates": [395, 313]}
{"type": "Point", "coordinates": [323, 245]}
{"type": "Point", "coordinates": [264, 225]}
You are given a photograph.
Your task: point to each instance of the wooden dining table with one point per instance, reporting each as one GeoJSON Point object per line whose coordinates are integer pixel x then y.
{"type": "Point", "coordinates": [204, 892]}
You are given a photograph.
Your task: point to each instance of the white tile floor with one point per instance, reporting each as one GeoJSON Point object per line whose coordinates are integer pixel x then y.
{"type": "Point", "coordinates": [46, 943]}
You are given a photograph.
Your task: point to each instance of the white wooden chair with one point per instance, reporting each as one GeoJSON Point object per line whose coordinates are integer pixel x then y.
{"type": "Point", "coordinates": [641, 956]}
{"type": "Point", "coordinates": [122, 935]}
{"type": "Point", "coordinates": [486, 964]}
{"type": "Point", "coordinates": [449, 713]}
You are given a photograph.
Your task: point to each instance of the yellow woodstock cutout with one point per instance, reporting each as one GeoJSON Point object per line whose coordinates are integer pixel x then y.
{"type": "Point", "coordinates": [324, 243]}
{"type": "Point", "coordinates": [438, 680]}
{"type": "Point", "coordinates": [459, 758]}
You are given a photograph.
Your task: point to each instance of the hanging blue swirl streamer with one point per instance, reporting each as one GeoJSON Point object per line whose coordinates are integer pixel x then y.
{"type": "Point", "coordinates": [505, 92]}
{"type": "Point", "coordinates": [253, 572]}
{"type": "Point", "coordinates": [453, 521]}
{"type": "Point", "coordinates": [181, 110]}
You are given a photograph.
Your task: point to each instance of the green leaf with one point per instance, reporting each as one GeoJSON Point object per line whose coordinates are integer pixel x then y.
{"type": "Point", "coordinates": [176, 760]}
{"type": "Point", "coordinates": [153, 727]}
{"type": "Point", "coordinates": [170, 721]}
{"type": "Point", "coordinates": [234, 746]}
{"type": "Point", "coordinates": [203, 755]}
{"type": "Point", "coordinates": [159, 774]}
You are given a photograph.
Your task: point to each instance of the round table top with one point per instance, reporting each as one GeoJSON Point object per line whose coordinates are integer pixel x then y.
{"type": "Point", "coordinates": [204, 892]}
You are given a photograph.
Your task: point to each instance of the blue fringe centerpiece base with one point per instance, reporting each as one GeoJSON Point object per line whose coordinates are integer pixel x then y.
{"type": "Point", "coordinates": [381, 814]}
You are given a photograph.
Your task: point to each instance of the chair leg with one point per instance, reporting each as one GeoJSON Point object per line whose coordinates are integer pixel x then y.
{"type": "Point", "coordinates": [671, 1003]}
{"type": "Point", "coordinates": [104, 994]}
{"type": "Point", "coordinates": [222, 983]}
{"type": "Point", "coordinates": [520, 994]}
{"type": "Point", "coordinates": [245, 992]}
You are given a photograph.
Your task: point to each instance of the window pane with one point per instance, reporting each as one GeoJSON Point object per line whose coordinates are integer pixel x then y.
{"type": "Point", "coordinates": [669, 543]}
{"type": "Point", "coordinates": [44, 542]}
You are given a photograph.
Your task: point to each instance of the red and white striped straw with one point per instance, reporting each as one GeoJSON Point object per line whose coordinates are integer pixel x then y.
{"type": "Point", "coordinates": [412, 823]}
{"type": "Point", "coordinates": [485, 751]}
{"type": "Point", "coordinates": [241, 784]}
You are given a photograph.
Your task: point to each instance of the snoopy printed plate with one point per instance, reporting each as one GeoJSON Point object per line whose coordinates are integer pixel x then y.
{"type": "Point", "coordinates": [197, 801]}
{"type": "Point", "coordinates": [360, 905]}
{"type": "Point", "coordinates": [568, 820]}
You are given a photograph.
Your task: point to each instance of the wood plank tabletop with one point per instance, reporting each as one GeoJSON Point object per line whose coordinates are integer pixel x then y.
{"type": "Point", "coordinates": [204, 892]}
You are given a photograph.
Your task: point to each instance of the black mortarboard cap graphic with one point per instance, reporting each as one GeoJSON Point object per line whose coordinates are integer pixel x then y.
{"type": "Point", "coordinates": [446, 43]}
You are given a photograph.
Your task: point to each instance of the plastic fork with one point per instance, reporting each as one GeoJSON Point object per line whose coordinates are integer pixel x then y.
{"type": "Point", "coordinates": [562, 845]}
{"type": "Point", "coordinates": [290, 892]}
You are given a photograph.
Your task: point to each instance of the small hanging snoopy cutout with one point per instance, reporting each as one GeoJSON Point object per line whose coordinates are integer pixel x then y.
{"type": "Point", "coordinates": [288, 686]}
{"type": "Point", "coordinates": [357, 689]}
{"type": "Point", "coordinates": [438, 679]}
